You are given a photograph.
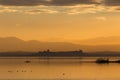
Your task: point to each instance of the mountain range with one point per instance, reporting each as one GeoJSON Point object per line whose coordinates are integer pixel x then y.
{"type": "Point", "coordinates": [101, 41]}
{"type": "Point", "coordinates": [100, 44]}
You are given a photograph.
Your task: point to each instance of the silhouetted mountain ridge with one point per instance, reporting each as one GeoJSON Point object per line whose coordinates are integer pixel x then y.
{"type": "Point", "coordinates": [16, 44]}
{"type": "Point", "coordinates": [101, 41]}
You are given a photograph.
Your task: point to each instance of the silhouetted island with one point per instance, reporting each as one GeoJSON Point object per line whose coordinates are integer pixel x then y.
{"type": "Point", "coordinates": [48, 53]}
{"type": "Point", "coordinates": [101, 60]}
{"type": "Point", "coordinates": [60, 54]}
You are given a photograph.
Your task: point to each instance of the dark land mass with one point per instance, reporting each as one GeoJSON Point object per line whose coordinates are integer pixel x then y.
{"type": "Point", "coordinates": [60, 54]}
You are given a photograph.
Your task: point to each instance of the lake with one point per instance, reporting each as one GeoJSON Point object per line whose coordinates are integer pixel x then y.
{"type": "Point", "coordinates": [57, 69]}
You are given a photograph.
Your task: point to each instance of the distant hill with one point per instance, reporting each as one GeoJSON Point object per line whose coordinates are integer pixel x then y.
{"type": "Point", "coordinates": [101, 41]}
{"type": "Point", "coordinates": [16, 44]}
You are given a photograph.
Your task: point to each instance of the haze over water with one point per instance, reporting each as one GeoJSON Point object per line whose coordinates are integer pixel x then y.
{"type": "Point", "coordinates": [57, 69]}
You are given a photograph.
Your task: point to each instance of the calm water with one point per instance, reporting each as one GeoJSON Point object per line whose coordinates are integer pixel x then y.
{"type": "Point", "coordinates": [57, 69]}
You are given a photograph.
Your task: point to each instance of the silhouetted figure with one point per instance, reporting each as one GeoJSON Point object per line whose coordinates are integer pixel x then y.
{"type": "Point", "coordinates": [80, 51]}
{"type": "Point", "coordinates": [48, 50]}
{"type": "Point", "coordinates": [63, 74]}
{"type": "Point", "coordinates": [10, 71]}
{"type": "Point", "coordinates": [27, 61]}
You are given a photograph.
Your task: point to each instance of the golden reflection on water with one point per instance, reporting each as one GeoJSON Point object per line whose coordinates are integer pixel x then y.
{"type": "Point", "coordinates": [57, 69]}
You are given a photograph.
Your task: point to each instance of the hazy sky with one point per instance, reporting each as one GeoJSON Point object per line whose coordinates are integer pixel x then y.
{"type": "Point", "coordinates": [59, 20]}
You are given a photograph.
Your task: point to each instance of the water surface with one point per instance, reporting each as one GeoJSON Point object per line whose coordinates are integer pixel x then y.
{"type": "Point", "coordinates": [57, 69]}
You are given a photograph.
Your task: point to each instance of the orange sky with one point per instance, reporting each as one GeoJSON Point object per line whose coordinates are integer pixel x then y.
{"type": "Point", "coordinates": [63, 21]}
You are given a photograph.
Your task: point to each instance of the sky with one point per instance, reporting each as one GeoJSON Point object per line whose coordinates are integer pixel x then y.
{"type": "Point", "coordinates": [59, 20]}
